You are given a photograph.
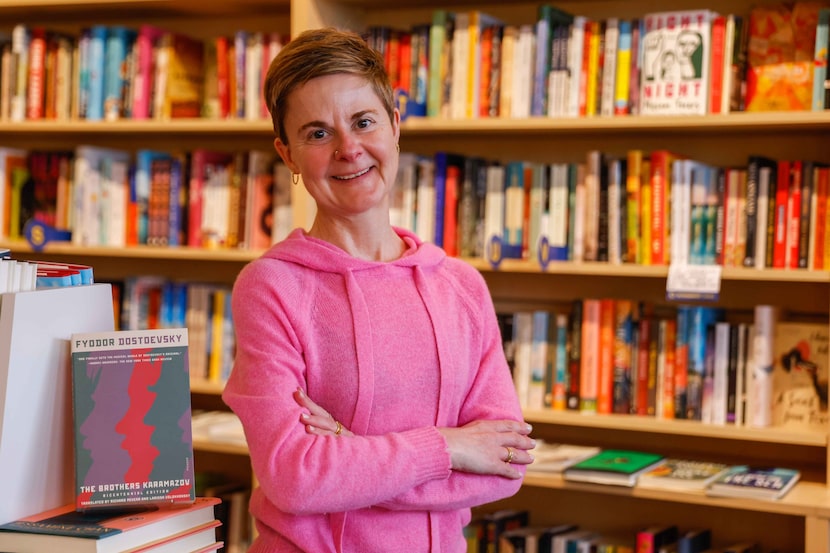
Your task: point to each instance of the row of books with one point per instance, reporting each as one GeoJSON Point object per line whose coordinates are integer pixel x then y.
{"type": "Point", "coordinates": [510, 531]}
{"type": "Point", "coordinates": [18, 275]}
{"type": "Point", "coordinates": [110, 72]}
{"type": "Point", "coordinates": [110, 197]}
{"type": "Point", "coordinates": [630, 468]}
{"type": "Point", "coordinates": [616, 356]}
{"type": "Point", "coordinates": [153, 302]}
{"type": "Point", "coordinates": [469, 64]}
{"type": "Point", "coordinates": [647, 207]}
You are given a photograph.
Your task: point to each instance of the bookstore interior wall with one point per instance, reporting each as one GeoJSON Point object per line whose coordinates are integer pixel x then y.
{"type": "Point", "coordinates": [800, 521]}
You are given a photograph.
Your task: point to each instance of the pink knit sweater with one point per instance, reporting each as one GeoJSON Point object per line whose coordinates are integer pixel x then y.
{"type": "Point", "coordinates": [393, 351]}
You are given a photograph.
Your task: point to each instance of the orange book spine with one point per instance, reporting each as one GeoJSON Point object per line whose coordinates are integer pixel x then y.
{"type": "Point", "coordinates": [605, 392]}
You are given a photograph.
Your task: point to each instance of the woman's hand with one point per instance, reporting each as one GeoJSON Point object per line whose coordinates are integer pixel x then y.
{"type": "Point", "coordinates": [318, 421]}
{"type": "Point", "coordinates": [490, 447]}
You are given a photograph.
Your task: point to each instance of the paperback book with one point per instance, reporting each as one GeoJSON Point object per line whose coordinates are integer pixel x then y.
{"type": "Point", "coordinates": [675, 70]}
{"type": "Point", "coordinates": [132, 418]}
{"type": "Point", "coordinates": [613, 466]}
{"type": "Point", "coordinates": [556, 457]}
{"type": "Point", "coordinates": [136, 529]}
{"type": "Point", "coordinates": [754, 482]}
{"type": "Point", "coordinates": [681, 474]}
{"type": "Point", "coordinates": [799, 375]}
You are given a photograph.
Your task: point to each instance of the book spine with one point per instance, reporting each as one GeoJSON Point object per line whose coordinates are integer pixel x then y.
{"type": "Point", "coordinates": [761, 385]}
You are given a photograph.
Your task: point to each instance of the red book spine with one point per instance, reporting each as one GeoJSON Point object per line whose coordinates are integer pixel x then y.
{"type": "Point", "coordinates": [793, 216]}
{"type": "Point", "coordinates": [37, 74]}
{"type": "Point", "coordinates": [716, 66]}
{"type": "Point", "coordinates": [782, 191]}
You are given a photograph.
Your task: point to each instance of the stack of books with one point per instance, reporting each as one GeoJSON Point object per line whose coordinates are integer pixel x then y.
{"type": "Point", "coordinates": [165, 529]}
{"type": "Point", "coordinates": [134, 484]}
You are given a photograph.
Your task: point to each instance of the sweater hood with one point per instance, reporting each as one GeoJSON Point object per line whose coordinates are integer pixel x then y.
{"type": "Point", "coordinates": [320, 255]}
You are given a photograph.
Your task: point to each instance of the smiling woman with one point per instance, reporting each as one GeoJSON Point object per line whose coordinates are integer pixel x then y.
{"type": "Point", "coordinates": [369, 375]}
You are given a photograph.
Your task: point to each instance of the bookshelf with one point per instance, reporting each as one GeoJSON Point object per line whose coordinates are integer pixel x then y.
{"type": "Point", "coordinates": [799, 522]}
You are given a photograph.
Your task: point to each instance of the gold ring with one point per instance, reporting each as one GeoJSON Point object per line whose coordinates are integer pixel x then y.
{"type": "Point", "coordinates": [509, 455]}
{"type": "Point", "coordinates": [339, 428]}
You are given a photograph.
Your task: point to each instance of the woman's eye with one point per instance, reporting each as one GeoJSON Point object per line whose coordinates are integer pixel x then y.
{"type": "Point", "coordinates": [318, 134]}
{"type": "Point", "coordinates": [363, 123]}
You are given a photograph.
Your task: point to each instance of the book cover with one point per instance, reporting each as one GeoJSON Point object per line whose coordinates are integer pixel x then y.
{"type": "Point", "coordinates": [64, 529]}
{"type": "Point", "coordinates": [799, 378]}
{"type": "Point", "coordinates": [754, 482]}
{"type": "Point", "coordinates": [613, 466]}
{"type": "Point", "coordinates": [675, 71]}
{"type": "Point", "coordinates": [780, 56]}
{"type": "Point", "coordinates": [681, 474]}
{"type": "Point", "coordinates": [131, 398]}
{"type": "Point", "coordinates": [556, 457]}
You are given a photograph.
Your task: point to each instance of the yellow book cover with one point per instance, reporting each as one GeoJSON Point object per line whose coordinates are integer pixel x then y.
{"type": "Point", "coordinates": [185, 77]}
{"type": "Point", "coordinates": [800, 375]}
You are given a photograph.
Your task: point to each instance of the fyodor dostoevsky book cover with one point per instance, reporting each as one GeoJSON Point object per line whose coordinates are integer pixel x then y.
{"type": "Point", "coordinates": [132, 418]}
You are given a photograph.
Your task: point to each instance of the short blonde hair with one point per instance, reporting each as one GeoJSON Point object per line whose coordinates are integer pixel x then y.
{"type": "Point", "coordinates": [317, 53]}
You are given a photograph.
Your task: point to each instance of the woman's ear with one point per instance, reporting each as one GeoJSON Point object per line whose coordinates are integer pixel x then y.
{"type": "Point", "coordinates": [285, 153]}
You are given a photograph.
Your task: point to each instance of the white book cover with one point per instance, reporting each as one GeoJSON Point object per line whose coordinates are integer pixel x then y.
{"type": "Point", "coordinates": [760, 386]}
{"type": "Point", "coordinates": [609, 67]}
{"type": "Point", "coordinates": [523, 57]}
{"type": "Point", "coordinates": [460, 65]}
{"type": "Point", "coordinates": [425, 201]}
{"type": "Point", "coordinates": [35, 392]}
{"type": "Point", "coordinates": [576, 43]}
{"type": "Point", "coordinates": [494, 209]}
{"type": "Point", "coordinates": [675, 72]}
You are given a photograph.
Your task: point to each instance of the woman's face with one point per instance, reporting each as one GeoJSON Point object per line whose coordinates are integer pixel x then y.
{"type": "Point", "coordinates": [341, 140]}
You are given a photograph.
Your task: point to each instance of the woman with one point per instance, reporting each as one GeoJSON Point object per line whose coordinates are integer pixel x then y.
{"type": "Point", "coordinates": [414, 417]}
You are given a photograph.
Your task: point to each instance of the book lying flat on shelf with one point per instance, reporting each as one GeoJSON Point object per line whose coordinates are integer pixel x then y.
{"type": "Point", "coordinates": [754, 482]}
{"type": "Point", "coordinates": [148, 529]}
{"type": "Point", "coordinates": [681, 474]}
{"type": "Point", "coordinates": [612, 466]}
{"type": "Point", "coordinates": [132, 418]}
{"type": "Point", "coordinates": [555, 457]}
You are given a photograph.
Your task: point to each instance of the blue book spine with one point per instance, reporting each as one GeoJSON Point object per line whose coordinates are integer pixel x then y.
{"type": "Point", "coordinates": [541, 70]}
{"type": "Point", "coordinates": [97, 70]}
{"type": "Point", "coordinates": [514, 202]}
{"type": "Point", "coordinates": [820, 59]}
{"type": "Point", "coordinates": [440, 180]}
{"type": "Point", "coordinates": [175, 211]}
{"type": "Point", "coordinates": [115, 55]}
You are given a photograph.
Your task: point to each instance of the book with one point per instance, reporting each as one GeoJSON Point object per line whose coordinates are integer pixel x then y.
{"type": "Point", "coordinates": [556, 457]}
{"type": "Point", "coordinates": [681, 474]}
{"type": "Point", "coordinates": [754, 482]}
{"type": "Point", "coordinates": [651, 539]}
{"type": "Point", "coordinates": [66, 530]}
{"type": "Point", "coordinates": [612, 466]}
{"type": "Point", "coordinates": [675, 58]}
{"type": "Point", "coordinates": [780, 55]}
{"type": "Point", "coordinates": [35, 391]}
{"type": "Point", "coordinates": [132, 418]}
{"type": "Point", "coordinates": [799, 375]}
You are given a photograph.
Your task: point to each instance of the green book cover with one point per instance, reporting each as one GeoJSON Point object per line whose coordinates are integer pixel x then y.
{"type": "Point", "coordinates": [616, 461]}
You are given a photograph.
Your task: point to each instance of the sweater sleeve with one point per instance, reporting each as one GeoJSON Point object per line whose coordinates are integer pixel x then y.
{"type": "Point", "coordinates": [301, 473]}
{"type": "Point", "coordinates": [491, 396]}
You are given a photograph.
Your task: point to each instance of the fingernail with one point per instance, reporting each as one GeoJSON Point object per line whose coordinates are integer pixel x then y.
{"type": "Point", "coordinates": [529, 427]}
{"type": "Point", "coordinates": [305, 416]}
{"type": "Point", "coordinates": [300, 391]}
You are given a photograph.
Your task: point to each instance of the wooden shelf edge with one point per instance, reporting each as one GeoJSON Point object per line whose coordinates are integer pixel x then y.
{"type": "Point", "coordinates": [512, 266]}
{"type": "Point", "coordinates": [177, 253]}
{"type": "Point", "coordinates": [219, 447]}
{"type": "Point", "coordinates": [805, 499]}
{"type": "Point", "coordinates": [201, 386]}
{"type": "Point", "coordinates": [797, 121]}
{"type": "Point", "coordinates": [634, 423]}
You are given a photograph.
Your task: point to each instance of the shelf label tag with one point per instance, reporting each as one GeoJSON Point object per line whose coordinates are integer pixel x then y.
{"type": "Point", "coordinates": [693, 282]}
